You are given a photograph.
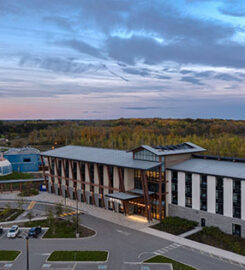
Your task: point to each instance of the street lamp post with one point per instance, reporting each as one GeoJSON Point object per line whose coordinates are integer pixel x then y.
{"type": "Point", "coordinates": [77, 218]}
{"type": "Point", "coordinates": [27, 253]}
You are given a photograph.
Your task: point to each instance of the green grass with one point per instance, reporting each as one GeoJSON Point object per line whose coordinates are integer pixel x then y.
{"type": "Point", "coordinates": [82, 256]}
{"type": "Point", "coordinates": [176, 265]}
{"type": "Point", "coordinates": [213, 236]}
{"type": "Point", "coordinates": [175, 225]}
{"type": "Point", "coordinates": [60, 228]}
{"type": "Point", "coordinates": [8, 214]}
{"type": "Point", "coordinates": [8, 255]}
{"type": "Point", "coordinates": [16, 175]}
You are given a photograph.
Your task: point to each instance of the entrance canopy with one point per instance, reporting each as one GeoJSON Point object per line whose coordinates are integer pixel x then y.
{"type": "Point", "coordinates": [123, 196]}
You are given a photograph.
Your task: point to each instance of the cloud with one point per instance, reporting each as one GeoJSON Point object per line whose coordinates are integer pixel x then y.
{"type": "Point", "coordinates": [134, 49]}
{"type": "Point", "coordinates": [227, 77]}
{"type": "Point", "coordinates": [57, 64]}
{"type": "Point", "coordinates": [192, 80]}
{"type": "Point", "coordinates": [235, 8]}
{"type": "Point", "coordinates": [81, 47]}
{"type": "Point", "coordinates": [137, 71]}
{"type": "Point", "coordinates": [139, 108]}
{"type": "Point", "coordinates": [61, 22]}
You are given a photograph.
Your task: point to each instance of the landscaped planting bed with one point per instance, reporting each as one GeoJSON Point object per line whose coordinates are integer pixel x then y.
{"type": "Point", "coordinates": [8, 255]}
{"type": "Point", "coordinates": [8, 214]}
{"type": "Point", "coordinates": [175, 225]}
{"type": "Point", "coordinates": [16, 175]}
{"type": "Point", "coordinates": [215, 237]}
{"type": "Point", "coordinates": [176, 265]}
{"type": "Point", "coordinates": [61, 228]}
{"type": "Point", "coordinates": [82, 256]}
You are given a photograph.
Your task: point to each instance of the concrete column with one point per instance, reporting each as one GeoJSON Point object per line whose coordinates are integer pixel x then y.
{"type": "Point", "coordinates": [196, 191]}
{"type": "Point", "coordinates": [228, 197]}
{"type": "Point", "coordinates": [211, 194]}
{"type": "Point", "coordinates": [96, 178]}
{"type": "Point", "coordinates": [128, 178]}
{"type": "Point", "coordinates": [70, 174]}
{"type": "Point", "coordinates": [79, 185]}
{"type": "Point", "coordinates": [87, 180]}
{"type": "Point", "coordinates": [169, 186]}
{"type": "Point", "coordinates": [63, 181]}
{"type": "Point", "coordinates": [181, 189]}
{"type": "Point", "coordinates": [106, 180]}
{"type": "Point", "coordinates": [243, 199]}
{"type": "Point", "coordinates": [116, 177]}
{"type": "Point", "coordinates": [55, 172]}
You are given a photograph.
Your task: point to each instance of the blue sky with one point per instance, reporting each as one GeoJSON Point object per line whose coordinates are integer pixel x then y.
{"type": "Point", "coordinates": [103, 59]}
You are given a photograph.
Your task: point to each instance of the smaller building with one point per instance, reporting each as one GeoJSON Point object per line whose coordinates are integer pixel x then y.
{"type": "Point", "coordinates": [5, 167]}
{"type": "Point", "coordinates": [25, 159]}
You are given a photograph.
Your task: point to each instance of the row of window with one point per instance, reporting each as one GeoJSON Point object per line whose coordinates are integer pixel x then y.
{"type": "Point", "coordinates": [219, 202]}
{"type": "Point", "coordinates": [146, 155]}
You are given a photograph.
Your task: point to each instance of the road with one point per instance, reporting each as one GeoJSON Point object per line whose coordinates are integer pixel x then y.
{"type": "Point", "coordinates": [125, 246]}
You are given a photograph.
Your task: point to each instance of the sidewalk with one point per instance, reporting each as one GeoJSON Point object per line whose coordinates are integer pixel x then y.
{"type": "Point", "coordinates": [132, 222]}
{"type": "Point", "coordinates": [195, 230]}
{"type": "Point", "coordinates": [120, 219]}
{"type": "Point", "coordinates": [198, 246]}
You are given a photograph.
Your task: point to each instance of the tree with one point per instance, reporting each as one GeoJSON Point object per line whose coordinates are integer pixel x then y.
{"type": "Point", "coordinates": [59, 209]}
{"type": "Point", "coordinates": [29, 215]}
{"type": "Point", "coordinates": [20, 204]}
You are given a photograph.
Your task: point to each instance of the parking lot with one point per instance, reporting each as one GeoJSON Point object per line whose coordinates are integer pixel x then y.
{"type": "Point", "coordinates": [22, 233]}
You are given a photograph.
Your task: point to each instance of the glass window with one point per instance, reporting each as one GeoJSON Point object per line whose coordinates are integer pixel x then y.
{"type": "Point", "coordinates": [174, 187]}
{"type": "Point", "coordinates": [188, 190]}
{"type": "Point", "coordinates": [219, 196]}
{"type": "Point", "coordinates": [146, 155]}
{"type": "Point", "coordinates": [237, 198]}
{"type": "Point", "coordinates": [203, 193]}
{"type": "Point", "coordinates": [236, 230]}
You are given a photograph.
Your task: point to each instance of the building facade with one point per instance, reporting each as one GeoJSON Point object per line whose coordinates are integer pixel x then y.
{"type": "Point", "coordinates": [154, 182]}
{"type": "Point", "coordinates": [209, 190]}
{"type": "Point", "coordinates": [24, 159]}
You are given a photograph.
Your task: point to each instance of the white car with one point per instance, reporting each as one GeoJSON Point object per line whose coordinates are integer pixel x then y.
{"type": "Point", "coordinates": [13, 231]}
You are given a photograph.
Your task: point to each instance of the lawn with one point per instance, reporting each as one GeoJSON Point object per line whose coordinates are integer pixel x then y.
{"type": "Point", "coordinates": [82, 256]}
{"type": "Point", "coordinates": [176, 265]}
{"type": "Point", "coordinates": [175, 225]}
{"type": "Point", "coordinates": [16, 175]}
{"type": "Point", "coordinates": [213, 236]}
{"type": "Point", "coordinates": [60, 228]}
{"type": "Point", "coordinates": [8, 214]}
{"type": "Point", "coordinates": [8, 255]}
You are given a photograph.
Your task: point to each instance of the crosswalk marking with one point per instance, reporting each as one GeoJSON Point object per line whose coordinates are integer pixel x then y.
{"type": "Point", "coordinates": [166, 249]}
{"type": "Point", "coordinates": [31, 205]}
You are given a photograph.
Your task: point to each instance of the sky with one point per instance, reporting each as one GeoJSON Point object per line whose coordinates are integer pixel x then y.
{"type": "Point", "coordinates": [107, 59]}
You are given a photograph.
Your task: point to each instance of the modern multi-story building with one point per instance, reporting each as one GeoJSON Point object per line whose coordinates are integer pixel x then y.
{"type": "Point", "coordinates": [154, 182]}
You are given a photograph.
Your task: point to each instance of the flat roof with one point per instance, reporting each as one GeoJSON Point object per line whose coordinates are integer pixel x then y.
{"type": "Point", "coordinates": [123, 196]}
{"type": "Point", "coordinates": [101, 155]}
{"type": "Point", "coordinates": [140, 191]}
{"type": "Point", "coordinates": [212, 167]}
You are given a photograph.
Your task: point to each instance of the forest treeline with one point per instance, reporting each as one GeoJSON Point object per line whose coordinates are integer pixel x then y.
{"type": "Point", "coordinates": [219, 137]}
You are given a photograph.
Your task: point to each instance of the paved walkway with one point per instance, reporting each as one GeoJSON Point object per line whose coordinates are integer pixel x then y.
{"type": "Point", "coordinates": [195, 230]}
{"type": "Point", "coordinates": [133, 222]}
{"type": "Point", "coordinates": [136, 224]}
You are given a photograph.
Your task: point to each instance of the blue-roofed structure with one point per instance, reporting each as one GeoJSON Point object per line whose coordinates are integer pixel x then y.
{"type": "Point", "coordinates": [24, 159]}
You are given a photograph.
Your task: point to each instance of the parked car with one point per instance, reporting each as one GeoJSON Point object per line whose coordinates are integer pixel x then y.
{"type": "Point", "coordinates": [13, 231]}
{"type": "Point", "coordinates": [35, 231]}
{"type": "Point", "coordinates": [1, 230]}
